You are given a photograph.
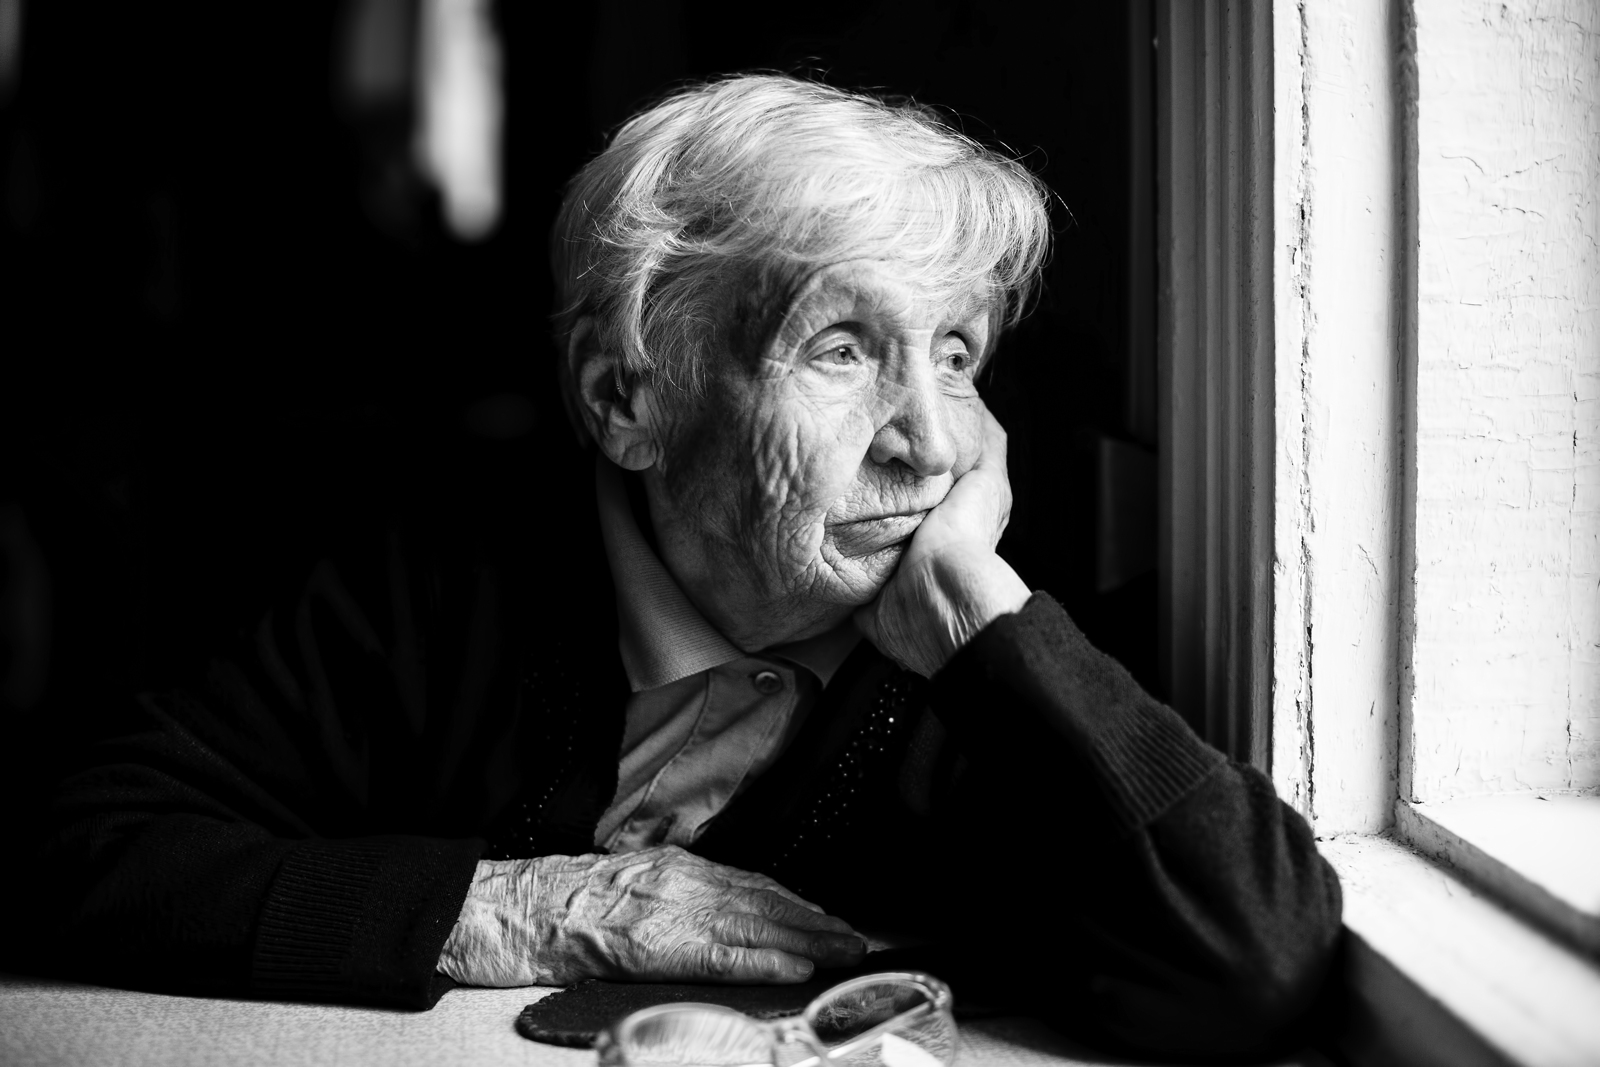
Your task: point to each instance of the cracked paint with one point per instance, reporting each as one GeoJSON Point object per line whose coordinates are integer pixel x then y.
{"type": "Point", "coordinates": [1336, 527]}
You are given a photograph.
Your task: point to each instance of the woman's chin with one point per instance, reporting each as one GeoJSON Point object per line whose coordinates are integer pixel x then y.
{"type": "Point", "coordinates": [864, 576]}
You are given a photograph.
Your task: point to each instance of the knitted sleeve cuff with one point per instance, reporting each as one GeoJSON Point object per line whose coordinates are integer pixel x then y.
{"type": "Point", "coordinates": [362, 920]}
{"type": "Point", "coordinates": [1037, 661]}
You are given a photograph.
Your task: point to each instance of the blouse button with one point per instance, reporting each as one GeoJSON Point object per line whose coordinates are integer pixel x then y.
{"type": "Point", "coordinates": [767, 682]}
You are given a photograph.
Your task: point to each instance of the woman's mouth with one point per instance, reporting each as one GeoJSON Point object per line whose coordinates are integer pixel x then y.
{"type": "Point", "coordinates": [863, 537]}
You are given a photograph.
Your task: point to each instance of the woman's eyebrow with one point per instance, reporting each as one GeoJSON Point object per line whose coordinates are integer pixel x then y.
{"type": "Point", "coordinates": [975, 307]}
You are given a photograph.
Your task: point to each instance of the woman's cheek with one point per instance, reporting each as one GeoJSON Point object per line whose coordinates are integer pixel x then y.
{"type": "Point", "coordinates": [787, 476]}
{"type": "Point", "coordinates": [831, 436]}
{"type": "Point", "coordinates": [966, 425]}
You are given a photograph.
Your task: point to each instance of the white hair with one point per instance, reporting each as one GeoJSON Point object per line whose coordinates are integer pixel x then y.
{"type": "Point", "coordinates": [690, 231]}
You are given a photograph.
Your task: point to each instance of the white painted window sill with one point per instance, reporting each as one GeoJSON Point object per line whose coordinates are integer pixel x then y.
{"type": "Point", "coordinates": [1538, 854]}
{"type": "Point", "coordinates": [1441, 974]}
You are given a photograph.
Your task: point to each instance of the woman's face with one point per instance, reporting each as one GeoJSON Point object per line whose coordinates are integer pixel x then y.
{"type": "Point", "coordinates": [785, 495]}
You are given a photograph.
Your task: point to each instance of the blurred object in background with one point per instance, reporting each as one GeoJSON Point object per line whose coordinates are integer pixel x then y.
{"type": "Point", "coordinates": [375, 77]}
{"type": "Point", "coordinates": [377, 51]}
{"type": "Point", "coordinates": [460, 112]}
{"type": "Point", "coordinates": [10, 47]}
{"type": "Point", "coordinates": [421, 81]}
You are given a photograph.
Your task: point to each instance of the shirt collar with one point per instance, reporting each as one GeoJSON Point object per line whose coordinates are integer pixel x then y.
{"type": "Point", "coordinates": [823, 654]}
{"type": "Point", "coordinates": [662, 636]}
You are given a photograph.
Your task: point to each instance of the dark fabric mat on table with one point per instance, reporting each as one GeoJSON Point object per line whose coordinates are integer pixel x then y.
{"type": "Point", "coordinates": [575, 1015]}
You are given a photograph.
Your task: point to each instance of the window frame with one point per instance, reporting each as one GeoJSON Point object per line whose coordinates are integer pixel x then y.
{"type": "Point", "coordinates": [1287, 374]}
{"type": "Point", "coordinates": [1214, 359]}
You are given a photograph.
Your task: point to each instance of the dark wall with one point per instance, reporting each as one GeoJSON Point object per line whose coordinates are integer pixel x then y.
{"type": "Point", "coordinates": [232, 318]}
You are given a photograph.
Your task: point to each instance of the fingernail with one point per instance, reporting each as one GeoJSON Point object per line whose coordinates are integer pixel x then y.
{"type": "Point", "coordinates": [803, 968]}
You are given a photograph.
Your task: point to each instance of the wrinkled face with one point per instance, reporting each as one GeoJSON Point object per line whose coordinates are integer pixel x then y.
{"type": "Point", "coordinates": [786, 494]}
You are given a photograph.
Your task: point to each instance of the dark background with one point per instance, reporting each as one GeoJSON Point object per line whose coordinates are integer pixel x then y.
{"type": "Point", "coordinates": [232, 319]}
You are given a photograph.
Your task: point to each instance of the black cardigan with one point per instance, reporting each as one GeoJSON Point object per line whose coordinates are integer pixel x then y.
{"type": "Point", "coordinates": [304, 821]}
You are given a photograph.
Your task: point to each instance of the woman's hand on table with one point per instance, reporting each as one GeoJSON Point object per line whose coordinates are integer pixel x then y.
{"type": "Point", "coordinates": [661, 914]}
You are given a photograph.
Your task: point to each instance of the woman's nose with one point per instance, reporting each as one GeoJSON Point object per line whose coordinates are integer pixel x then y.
{"type": "Point", "coordinates": [918, 433]}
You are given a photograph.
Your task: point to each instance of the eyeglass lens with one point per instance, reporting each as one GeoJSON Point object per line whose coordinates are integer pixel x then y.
{"type": "Point", "coordinates": [887, 1023]}
{"type": "Point", "coordinates": [693, 1037]}
{"type": "Point", "coordinates": [893, 1023]}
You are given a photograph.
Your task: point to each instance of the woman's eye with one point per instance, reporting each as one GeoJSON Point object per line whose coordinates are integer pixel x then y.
{"type": "Point", "coordinates": [840, 355]}
{"type": "Point", "coordinates": [959, 360]}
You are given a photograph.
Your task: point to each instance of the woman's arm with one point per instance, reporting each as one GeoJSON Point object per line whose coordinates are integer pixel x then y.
{"type": "Point", "coordinates": [304, 821]}
{"type": "Point", "coordinates": [1186, 903]}
{"type": "Point", "coordinates": [231, 837]}
{"type": "Point", "coordinates": [1176, 901]}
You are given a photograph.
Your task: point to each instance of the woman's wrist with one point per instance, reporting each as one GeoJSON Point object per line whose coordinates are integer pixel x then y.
{"type": "Point", "coordinates": [978, 587]}
{"type": "Point", "coordinates": [493, 942]}
{"type": "Point", "coordinates": [932, 607]}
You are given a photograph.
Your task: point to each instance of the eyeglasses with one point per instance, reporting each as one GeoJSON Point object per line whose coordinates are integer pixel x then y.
{"type": "Point", "coordinates": [895, 1019]}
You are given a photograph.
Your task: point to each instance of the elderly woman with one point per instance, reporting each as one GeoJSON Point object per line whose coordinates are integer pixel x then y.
{"type": "Point", "coordinates": [746, 656]}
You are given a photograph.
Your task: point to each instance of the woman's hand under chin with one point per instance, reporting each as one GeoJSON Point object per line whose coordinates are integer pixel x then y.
{"type": "Point", "coordinates": [950, 583]}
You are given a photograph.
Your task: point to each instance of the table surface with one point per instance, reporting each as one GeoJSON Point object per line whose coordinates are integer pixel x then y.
{"type": "Point", "coordinates": [50, 1022]}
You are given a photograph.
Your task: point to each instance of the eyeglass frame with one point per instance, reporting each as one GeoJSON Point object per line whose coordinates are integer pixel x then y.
{"type": "Point", "coordinates": [796, 1026]}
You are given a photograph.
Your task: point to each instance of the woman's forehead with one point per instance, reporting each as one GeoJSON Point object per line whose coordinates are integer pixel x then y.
{"type": "Point", "coordinates": [887, 291]}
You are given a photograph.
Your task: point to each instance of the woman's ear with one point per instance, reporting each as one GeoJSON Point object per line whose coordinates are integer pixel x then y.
{"type": "Point", "coordinates": [615, 406]}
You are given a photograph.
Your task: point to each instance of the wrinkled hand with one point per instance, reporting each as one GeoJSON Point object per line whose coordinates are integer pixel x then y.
{"type": "Point", "coordinates": [661, 914]}
{"type": "Point", "coordinates": [950, 584]}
